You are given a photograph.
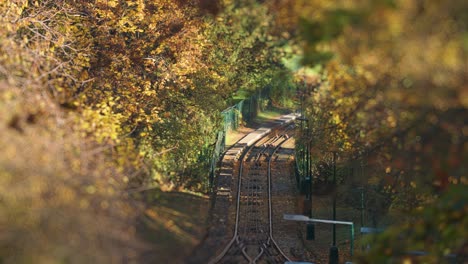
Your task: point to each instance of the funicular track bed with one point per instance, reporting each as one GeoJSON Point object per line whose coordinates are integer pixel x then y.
{"type": "Point", "coordinates": [252, 239]}
{"type": "Point", "coordinates": [284, 200]}
{"type": "Point", "coordinates": [241, 227]}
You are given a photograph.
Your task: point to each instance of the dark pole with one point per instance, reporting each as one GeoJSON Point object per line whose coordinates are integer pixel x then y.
{"type": "Point", "coordinates": [304, 146]}
{"type": "Point", "coordinates": [362, 206]}
{"type": "Point", "coordinates": [309, 166]}
{"type": "Point", "coordinates": [334, 255]}
{"type": "Point", "coordinates": [306, 163]}
{"type": "Point", "coordinates": [302, 135]}
{"type": "Point", "coordinates": [334, 197]}
{"type": "Point", "coordinates": [307, 150]}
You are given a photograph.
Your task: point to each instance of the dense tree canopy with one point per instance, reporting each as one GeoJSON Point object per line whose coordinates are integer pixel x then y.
{"type": "Point", "coordinates": [102, 96]}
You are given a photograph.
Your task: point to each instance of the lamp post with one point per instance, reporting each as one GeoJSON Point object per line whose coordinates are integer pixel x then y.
{"type": "Point", "coordinates": [334, 254]}
{"type": "Point", "coordinates": [306, 157]}
{"type": "Point", "coordinates": [362, 205]}
{"type": "Point", "coordinates": [306, 163]}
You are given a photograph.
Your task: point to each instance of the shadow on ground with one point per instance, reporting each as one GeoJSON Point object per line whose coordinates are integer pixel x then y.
{"type": "Point", "coordinates": [172, 225]}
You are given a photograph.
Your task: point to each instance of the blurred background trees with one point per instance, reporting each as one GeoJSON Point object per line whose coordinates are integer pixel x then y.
{"type": "Point", "coordinates": [393, 96]}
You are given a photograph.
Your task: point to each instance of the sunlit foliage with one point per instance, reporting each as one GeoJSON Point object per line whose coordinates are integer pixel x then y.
{"type": "Point", "coordinates": [102, 98]}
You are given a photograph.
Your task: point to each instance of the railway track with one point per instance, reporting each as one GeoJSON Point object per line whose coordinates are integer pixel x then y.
{"type": "Point", "coordinates": [252, 240]}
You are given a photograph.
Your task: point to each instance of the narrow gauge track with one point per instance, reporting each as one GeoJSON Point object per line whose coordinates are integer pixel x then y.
{"type": "Point", "coordinates": [253, 241]}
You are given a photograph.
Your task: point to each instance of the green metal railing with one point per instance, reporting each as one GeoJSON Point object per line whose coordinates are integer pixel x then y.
{"type": "Point", "coordinates": [219, 147]}
{"type": "Point", "coordinates": [232, 116]}
{"type": "Point", "coordinates": [244, 110]}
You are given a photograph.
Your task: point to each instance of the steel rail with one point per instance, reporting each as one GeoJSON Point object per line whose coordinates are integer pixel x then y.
{"type": "Point", "coordinates": [272, 141]}
{"type": "Point", "coordinates": [235, 239]}
{"type": "Point", "coordinates": [270, 236]}
{"type": "Point", "coordinates": [269, 201]}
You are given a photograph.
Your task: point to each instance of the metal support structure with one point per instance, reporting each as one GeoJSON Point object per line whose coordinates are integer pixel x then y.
{"type": "Point", "coordinates": [303, 218]}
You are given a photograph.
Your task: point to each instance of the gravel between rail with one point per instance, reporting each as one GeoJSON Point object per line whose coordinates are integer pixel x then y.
{"type": "Point", "coordinates": [223, 212]}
